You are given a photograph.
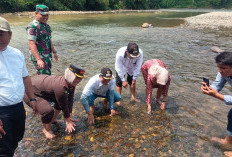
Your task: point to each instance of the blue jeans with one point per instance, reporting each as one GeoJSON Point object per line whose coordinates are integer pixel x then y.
{"type": "Point", "coordinates": [88, 101]}
{"type": "Point", "coordinates": [13, 118]}
{"type": "Point", "coordinates": [229, 124]}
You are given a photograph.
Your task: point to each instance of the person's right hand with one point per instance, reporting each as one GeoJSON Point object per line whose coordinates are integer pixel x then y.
{"type": "Point", "coordinates": [40, 63]}
{"type": "Point", "coordinates": [2, 131]}
{"type": "Point", "coordinates": [90, 118]}
{"type": "Point", "coordinates": [208, 90]}
{"type": "Point", "coordinates": [124, 84]}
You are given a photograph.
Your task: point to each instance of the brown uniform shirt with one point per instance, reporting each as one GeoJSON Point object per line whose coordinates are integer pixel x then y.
{"type": "Point", "coordinates": [53, 88]}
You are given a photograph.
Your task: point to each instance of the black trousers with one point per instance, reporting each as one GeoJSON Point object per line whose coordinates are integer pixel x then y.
{"type": "Point", "coordinates": [13, 118]}
{"type": "Point", "coordinates": [119, 81]}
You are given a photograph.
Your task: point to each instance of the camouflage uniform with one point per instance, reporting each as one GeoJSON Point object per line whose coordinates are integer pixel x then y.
{"type": "Point", "coordinates": [41, 33]}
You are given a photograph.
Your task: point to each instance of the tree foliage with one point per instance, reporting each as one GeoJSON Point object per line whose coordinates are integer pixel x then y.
{"type": "Point", "coordinates": [29, 5]}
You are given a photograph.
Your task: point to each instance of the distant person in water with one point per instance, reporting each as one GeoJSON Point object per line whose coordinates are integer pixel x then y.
{"type": "Point", "coordinates": [128, 61]}
{"type": "Point", "coordinates": [59, 90]}
{"type": "Point", "coordinates": [100, 85]}
{"type": "Point", "coordinates": [40, 42]}
{"type": "Point", "coordinates": [224, 64]}
{"type": "Point", "coordinates": [156, 75]}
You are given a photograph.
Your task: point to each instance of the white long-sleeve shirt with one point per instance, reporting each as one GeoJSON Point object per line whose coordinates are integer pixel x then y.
{"type": "Point", "coordinates": [95, 86]}
{"type": "Point", "coordinates": [13, 69]}
{"type": "Point", "coordinates": [124, 64]}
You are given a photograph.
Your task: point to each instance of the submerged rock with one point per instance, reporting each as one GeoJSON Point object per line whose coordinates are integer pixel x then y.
{"type": "Point", "coordinates": [146, 25]}
{"type": "Point", "coordinates": [216, 49]}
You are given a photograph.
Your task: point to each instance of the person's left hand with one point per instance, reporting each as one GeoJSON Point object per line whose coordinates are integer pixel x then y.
{"type": "Point", "coordinates": [113, 112]}
{"type": "Point", "coordinates": [208, 90]}
{"type": "Point", "coordinates": [55, 56]}
{"type": "Point", "coordinates": [2, 131]}
{"type": "Point", "coordinates": [69, 125]}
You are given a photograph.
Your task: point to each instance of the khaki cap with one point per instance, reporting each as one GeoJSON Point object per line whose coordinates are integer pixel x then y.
{"type": "Point", "coordinates": [4, 25]}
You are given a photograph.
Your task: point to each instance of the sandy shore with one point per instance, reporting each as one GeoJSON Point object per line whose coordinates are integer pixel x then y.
{"type": "Point", "coordinates": [213, 20]}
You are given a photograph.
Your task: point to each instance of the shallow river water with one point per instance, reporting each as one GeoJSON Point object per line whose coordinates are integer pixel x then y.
{"type": "Point", "coordinates": [183, 129]}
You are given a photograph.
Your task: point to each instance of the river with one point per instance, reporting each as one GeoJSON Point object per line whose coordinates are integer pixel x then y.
{"type": "Point", "coordinates": [183, 129]}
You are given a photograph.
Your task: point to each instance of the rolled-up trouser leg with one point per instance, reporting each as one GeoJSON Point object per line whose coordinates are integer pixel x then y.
{"type": "Point", "coordinates": [88, 101]}
{"type": "Point", "coordinates": [44, 108]}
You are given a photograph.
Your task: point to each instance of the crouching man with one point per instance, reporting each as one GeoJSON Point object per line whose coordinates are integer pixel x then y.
{"type": "Point", "coordinates": [224, 65]}
{"type": "Point", "coordinates": [100, 85]}
{"type": "Point", "coordinates": [57, 89]}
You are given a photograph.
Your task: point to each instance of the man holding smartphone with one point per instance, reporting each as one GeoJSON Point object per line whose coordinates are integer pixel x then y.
{"type": "Point", "coordinates": [224, 64]}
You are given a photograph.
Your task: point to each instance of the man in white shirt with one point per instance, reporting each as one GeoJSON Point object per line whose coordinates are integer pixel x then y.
{"type": "Point", "coordinates": [100, 85]}
{"type": "Point", "coordinates": [14, 81]}
{"type": "Point", "coordinates": [128, 61]}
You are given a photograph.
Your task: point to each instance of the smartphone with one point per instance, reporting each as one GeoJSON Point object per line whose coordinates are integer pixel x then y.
{"type": "Point", "coordinates": [206, 81]}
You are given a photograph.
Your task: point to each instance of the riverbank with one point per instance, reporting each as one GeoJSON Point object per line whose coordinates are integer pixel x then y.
{"type": "Point", "coordinates": [212, 20]}
{"type": "Point", "coordinates": [83, 12]}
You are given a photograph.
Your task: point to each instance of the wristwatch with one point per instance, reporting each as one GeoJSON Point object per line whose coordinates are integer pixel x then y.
{"type": "Point", "coordinates": [33, 99]}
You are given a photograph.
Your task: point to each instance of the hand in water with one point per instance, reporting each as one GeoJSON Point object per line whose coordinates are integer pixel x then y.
{"type": "Point", "coordinates": [69, 125]}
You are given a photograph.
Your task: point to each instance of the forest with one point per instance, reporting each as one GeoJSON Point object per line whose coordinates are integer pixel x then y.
{"type": "Point", "coordinates": [10, 6]}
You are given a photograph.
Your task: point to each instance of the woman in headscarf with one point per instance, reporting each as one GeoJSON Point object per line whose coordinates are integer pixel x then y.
{"type": "Point", "coordinates": [156, 75]}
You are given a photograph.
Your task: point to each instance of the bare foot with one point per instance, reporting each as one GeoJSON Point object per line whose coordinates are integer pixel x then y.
{"type": "Point", "coordinates": [162, 106]}
{"type": "Point", "coordinates": [220, 140]}
{"type": "Point", "coordinates": [118, 103]}
{"type": "Point", "coordinates": [135, 100]}
{"type": "Point", "coordinates": [228, 153]}
{"type": "Point", "coordinates": [49, 134]}
{"type": "Point", "coordinates": [224, 143]}
{"type": "Point", "coordinates": [113, 112]}
{"type": "Point", "coordinates": [149, 109]}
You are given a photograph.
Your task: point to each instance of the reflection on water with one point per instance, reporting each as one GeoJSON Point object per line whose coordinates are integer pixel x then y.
{"type": "Point", "coordinates": [92, 41]}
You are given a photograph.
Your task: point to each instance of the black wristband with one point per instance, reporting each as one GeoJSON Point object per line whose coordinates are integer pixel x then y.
{"type": "Point", "coordinates": [32, 99]}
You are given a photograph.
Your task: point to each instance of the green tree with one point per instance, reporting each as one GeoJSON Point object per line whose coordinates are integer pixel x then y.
{"type": "Point", "coordinates": [97, 4]}
{"type": "Point", "coordinates": [167, 3]}
{"type": "Point", "coordinates": [184, 3]}
{"type": "Point", "coordinates": [8, 5]}
{"type": "Point", "coordinates": [74, 4]}
{"type": "Point", "coordinates": [215, 3]}
{"type": "Point", "coordinates": [154, 4]}
{"type": "Point", "coordinates": [116, 4]}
